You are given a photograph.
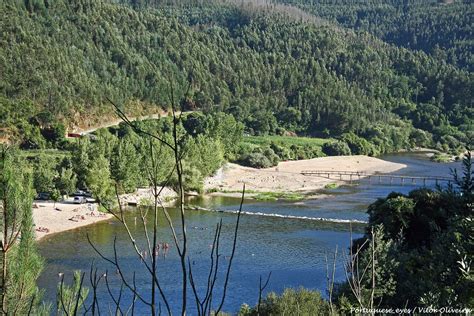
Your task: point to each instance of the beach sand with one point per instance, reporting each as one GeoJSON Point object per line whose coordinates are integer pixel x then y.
{"type": "Point", "coordinates": [67, 215]}
{"type": "Point", "coordinates": [287, 177]}
{"type": "Point", "coordinates": [49, 220]}
{"type": "Point", "coordinates": [145, 196]}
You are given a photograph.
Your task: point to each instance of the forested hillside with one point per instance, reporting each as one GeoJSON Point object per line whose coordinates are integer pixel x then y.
{"type": "Point", "coordinates": [60, 60]}
{"type": "Point", "coordinates": [442, 28]}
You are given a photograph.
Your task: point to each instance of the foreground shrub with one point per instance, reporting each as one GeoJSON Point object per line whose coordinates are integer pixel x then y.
{"type": "Point", "coordinates": [291, 302]}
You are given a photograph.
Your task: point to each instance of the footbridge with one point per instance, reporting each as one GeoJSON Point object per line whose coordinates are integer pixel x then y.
{"type": "Point", "coordinates": [376, 177]}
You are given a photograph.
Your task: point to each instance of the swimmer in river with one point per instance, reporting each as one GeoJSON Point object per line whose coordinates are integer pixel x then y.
{"type": "Point", "coordinates": [165, 246]}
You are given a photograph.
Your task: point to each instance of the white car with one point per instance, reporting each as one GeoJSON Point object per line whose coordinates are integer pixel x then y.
{"type": "Point", "coordinates": [79, 200]}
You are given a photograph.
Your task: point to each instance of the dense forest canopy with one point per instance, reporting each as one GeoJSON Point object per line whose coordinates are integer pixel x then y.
{"type": "Point", "coordinates": [60, 61]}
{"type": "Point", "coordinates": [442, 28]}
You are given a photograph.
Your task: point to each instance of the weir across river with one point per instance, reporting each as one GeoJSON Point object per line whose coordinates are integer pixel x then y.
{"type": "Point", "coordinates": [377, 177]}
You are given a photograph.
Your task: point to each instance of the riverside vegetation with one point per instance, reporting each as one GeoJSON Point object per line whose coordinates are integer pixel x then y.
{"type": "Point", "coordinates": [417, 252]}
{"type": "Point", "coordinates": [247, 72]}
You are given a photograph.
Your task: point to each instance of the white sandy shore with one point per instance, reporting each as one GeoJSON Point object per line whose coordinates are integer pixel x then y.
{"type": "Point", "coordinates": [66, 216]}
{"type": "Point", "coordinates": [287, 177]}
{"type": "Point", "coordinates": [49, 220]}
{"type": "Point", "coordinates": [145, 195]}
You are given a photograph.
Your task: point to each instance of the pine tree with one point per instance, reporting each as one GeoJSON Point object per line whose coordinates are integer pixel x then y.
{"type": "Point", "coordinates": [20, 262]}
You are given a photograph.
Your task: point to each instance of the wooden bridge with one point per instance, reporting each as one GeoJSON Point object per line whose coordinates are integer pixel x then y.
{"type": "Point", "coordinates": [357, 175]}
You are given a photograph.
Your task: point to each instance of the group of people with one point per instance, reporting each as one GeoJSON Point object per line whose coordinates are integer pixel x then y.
{"type": "Point", "coordinates": [76, 218]}
{"type": "Point", "coordinates": [42, 229]}
{"type": "Point", "coordinates": [156, 252]}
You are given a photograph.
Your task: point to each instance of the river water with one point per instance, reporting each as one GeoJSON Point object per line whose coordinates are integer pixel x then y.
{"type": "Point", "coordinates": [292, 249]}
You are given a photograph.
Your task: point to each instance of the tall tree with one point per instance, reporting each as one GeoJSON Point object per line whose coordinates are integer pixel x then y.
{"type": "Point", "coordinates": [20, 261]}
{"type": "Point", "coordinates": [124, 165]}
{"type": "Point", "coordinates": [44, 174]}
{"type": "Point", "coordinates": [98, 180]}
{"type": "Point", "coordinates": [66, 183]}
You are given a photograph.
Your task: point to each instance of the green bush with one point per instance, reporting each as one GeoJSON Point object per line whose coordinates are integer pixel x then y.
{"type": "Point", "coordinates": [298, 152]}
{"type": "Point", "coordinates": [337, 148]}
{"type": "Point", "coordinates": [281, 148]}
{"type": "Point", "coordinates": [281, 151]}
{"type": "Point", "coordinates": [441, 158]}
{"type": "Point", "coordinates": [291, 302]}
{"type": "Point", "coordinates": [358, 145]}
{"type": "Point", "coordinates": [256, 160]}
{"type": "Point", "coordinates": [270, 154]}
{"type": "Point", "coordinates": [313, 151]}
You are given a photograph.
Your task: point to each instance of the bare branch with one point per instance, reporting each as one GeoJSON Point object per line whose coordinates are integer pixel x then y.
{"type": "Point", "coordinates": [261, 289]}
{"type": "Point", "coordinates": [234, 246]}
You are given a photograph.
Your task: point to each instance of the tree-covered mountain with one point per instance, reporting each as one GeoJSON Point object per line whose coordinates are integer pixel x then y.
{"type": "Point", "coordinates": [442, 28]}
{"type": "Point", "coordinates": [60, 61]}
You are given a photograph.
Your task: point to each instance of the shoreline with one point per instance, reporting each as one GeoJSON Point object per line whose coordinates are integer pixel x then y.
{"type": "Point", "coordinates": [49, 220]}
{"type": "Point", "coordinates": [287, 178]}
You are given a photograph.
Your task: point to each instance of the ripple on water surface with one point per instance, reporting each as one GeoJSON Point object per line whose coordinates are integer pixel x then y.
{"type": "Point", "coordinates": [293, 249]}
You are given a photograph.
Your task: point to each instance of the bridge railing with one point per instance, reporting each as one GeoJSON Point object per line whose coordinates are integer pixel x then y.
{"type": "Point", "coordinates": [340, 173]}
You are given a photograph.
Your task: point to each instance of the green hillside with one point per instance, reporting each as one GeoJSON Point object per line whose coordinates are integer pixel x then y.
{"type": "Point", "coordinates": [60, 61]}
{"type": "Point", "coordinates": [442, 28]}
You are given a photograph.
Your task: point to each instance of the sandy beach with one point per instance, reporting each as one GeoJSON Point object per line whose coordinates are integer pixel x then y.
{"type": "Point", "coordinates": [145, 196]}
{"type": "Point", "coordinates": [49, 220]}
{"type": "Point", "coordinates": [67, 215]}
{"type": "Point", "coordinates": [287, 177]}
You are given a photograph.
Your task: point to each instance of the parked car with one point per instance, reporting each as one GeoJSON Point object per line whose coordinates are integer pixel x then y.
{"type": "Point", "coordinates": [82, 193]}
{"type": "Point", "coordinates": [79, 200]}
{"type": "Point", "coordinates": [44, 196]}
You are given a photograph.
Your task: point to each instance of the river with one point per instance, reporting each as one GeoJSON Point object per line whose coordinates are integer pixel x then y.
{"type": "Point", "coordinates": [293, 249]}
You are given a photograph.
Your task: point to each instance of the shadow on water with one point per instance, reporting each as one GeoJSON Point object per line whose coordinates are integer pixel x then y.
{"type": "Point", "coordinates": [293, 249]}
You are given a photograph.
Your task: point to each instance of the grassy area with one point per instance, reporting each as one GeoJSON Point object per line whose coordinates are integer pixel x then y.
{"type": "Point", "coordinates": [331, 186]}
{"type": "Point", "coordinates": [441, 158]}
{"type": "Point", "coordinates": [265, 196]}
{"type": "Point", "coordinates": [285, 140]}
{"type": "Point", "coordinates": [274, 196]}
{"type": "Point", "coordinates": [267, 151]}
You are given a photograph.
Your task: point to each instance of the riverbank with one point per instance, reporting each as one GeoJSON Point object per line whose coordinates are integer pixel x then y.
{"type": "Point", "coordinates": [50, 218]}
{"type": "Point", "coordinates": [287, 177]}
